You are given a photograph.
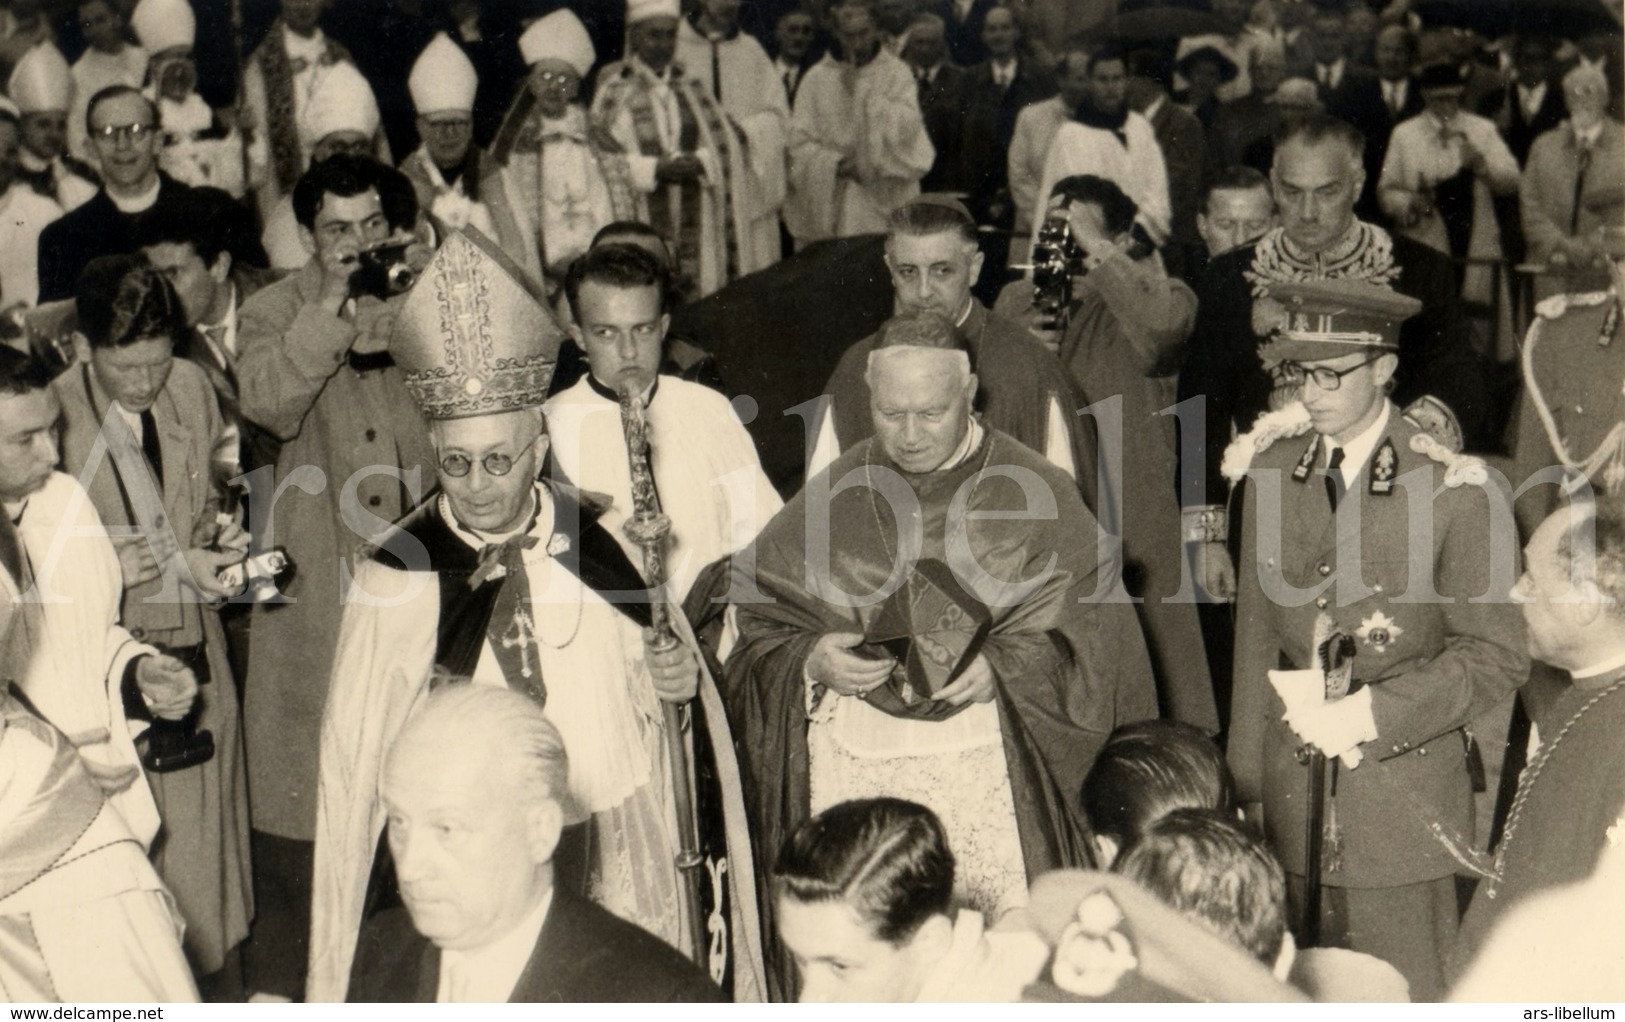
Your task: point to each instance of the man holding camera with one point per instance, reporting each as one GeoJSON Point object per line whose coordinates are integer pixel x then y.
{"type": "Point", "coordinates": [314, 370]}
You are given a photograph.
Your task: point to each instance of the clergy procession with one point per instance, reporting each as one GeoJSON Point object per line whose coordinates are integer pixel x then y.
{"type": "Point", "coordinates": [812, 500]}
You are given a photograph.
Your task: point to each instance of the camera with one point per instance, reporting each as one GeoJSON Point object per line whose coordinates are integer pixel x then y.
{"type": "Point", "coordinates": [258, 573]}
{"type": "Point", "coordinates": [1057, 260]}
{"type": "Point", "coordinates": [170, 745]}
{"type": "Point", "coordinates": [382, 270]}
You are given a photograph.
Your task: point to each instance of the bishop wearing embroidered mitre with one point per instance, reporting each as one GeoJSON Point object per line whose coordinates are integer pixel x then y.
{"type": "Point", "coordinates": [931, 620]}
{"type": "Point", "coordinates": [566, 179]}
{"type": "Point", "coordinates": [1362, 532]}
{"type": "Point", "coordinates": [686, 154]}
{"type": "Point", "coordinates": [455, 180]}
{"type": "Point", "coordinates": [510, 580]}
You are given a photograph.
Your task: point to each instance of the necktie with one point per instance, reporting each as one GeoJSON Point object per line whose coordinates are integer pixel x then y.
{"type": "Point", "coordinates": [12, 555]}
{"type": "Point", "coordinates": [1582, 162]}
{"type": "Point", "coordinates": [1334, 478]}
{"type": "Point", "coordinates": [151, 448]}
{"type": "Point", "coordinates": [716, 69]}
{"type": "Point", "coordinates": [790, 84]}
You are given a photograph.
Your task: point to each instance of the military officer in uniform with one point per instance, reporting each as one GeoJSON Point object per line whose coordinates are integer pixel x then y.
{"type": "Point", "coordinates": [1350, 514]}
{"type": "Point", "coordinates": [1573, 414]}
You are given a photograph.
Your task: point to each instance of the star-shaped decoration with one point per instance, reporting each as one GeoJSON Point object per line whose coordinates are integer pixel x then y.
{"type": "Point", "coordinates": [1379, 631]}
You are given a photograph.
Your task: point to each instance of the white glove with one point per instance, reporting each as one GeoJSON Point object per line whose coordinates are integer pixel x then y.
{"type": "Point", "coordinates": [1336, 728]}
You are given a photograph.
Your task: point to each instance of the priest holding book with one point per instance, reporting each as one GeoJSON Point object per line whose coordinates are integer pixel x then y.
{"type": "Point", "coordinates": [937, 627]}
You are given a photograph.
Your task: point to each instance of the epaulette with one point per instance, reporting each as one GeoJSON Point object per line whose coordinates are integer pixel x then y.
{"type": "Point", "coordinates": [1459, 469]}
{"type": "Point", "coordinates": [1284, 423]}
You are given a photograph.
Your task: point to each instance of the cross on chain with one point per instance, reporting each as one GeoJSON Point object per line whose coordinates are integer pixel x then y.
{"type": "Point", "coordinates": [521, 635]}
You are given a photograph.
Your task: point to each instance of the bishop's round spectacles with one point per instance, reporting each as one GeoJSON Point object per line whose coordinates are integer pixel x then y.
{"type": "Point", "coordinates": [1326, 378]}
{"type": "Point", "coordinates": [459, 465]}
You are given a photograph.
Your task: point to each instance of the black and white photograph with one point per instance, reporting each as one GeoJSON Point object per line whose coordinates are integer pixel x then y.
{"type": "Point", "coordinates": [759, 501]}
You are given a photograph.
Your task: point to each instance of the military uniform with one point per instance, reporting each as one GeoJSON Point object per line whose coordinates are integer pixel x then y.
{"type": "Point", "coordinates": [1400, 823]}
{"type": "Point", "coordinates": [1573, 409]}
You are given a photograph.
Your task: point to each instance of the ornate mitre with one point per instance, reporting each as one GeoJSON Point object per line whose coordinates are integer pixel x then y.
{"type": "Point", "coordinates": [473, 337]}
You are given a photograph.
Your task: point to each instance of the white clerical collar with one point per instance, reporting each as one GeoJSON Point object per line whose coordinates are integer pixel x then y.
{"type": "Point", "coordinates": [970, 303]}
{"type": "Point", "coordinates": [966, 448]}
{"type": "Point", "coordinates": [1600, 668]}
{"type": "Point", "coordinates": [487, 975]}
{"type": "Point", "coordinates": [1358, 450]}
{"type": "Point", "coordinates": [296, 45]}
{"type": "Point", "coordinates": [15, 510]}
{"type": "Point", "coordinates": [540, 517]}
{"type": "Point", "coordinates": [138, 203]}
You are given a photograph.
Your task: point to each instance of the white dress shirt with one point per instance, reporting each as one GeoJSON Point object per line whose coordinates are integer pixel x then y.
{"type": "Point", "coordinates": [487, 975]}
{"type": "Point", "coordinates": [1357, 451]}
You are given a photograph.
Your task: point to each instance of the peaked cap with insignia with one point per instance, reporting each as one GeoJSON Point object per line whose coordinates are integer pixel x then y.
{"type": "Point", "coordinates": [474, 337]}
{"type": "Point", "coordinates": [1331, 318]}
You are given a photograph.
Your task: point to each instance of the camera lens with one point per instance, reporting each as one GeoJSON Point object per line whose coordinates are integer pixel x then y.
{"type": "Point", "coordinates": [401, 278]}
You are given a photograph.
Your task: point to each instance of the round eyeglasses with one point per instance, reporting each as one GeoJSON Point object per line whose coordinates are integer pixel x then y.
{"type": "Point", "coordinates": [459, 465]}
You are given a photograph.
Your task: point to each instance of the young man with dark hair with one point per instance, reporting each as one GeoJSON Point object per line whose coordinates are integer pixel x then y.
{"type": "Point", "coordinates": [1237, 210]}
{"type": "Point", "coordinates": [708, 476]}
{"type": "Point", "coordinates": [1201, 862]}
{"type": "Point", "coordinates": [1106, 138]}
{"type": "Point", "coordinates": [864, 895]}
{"type": "Point", "coordinates": [314, 370]}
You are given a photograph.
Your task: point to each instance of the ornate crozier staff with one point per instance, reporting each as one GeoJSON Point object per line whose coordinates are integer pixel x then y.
{"type": "Point", "coordinates": [648, 528]}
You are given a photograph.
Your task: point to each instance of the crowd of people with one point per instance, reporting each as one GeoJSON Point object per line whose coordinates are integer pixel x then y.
{"type": "Point", "coordinates": [881, 500]}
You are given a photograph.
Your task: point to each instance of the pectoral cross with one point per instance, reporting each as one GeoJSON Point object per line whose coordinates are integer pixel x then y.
{"type": "Point", "coordinates": [521, 635]}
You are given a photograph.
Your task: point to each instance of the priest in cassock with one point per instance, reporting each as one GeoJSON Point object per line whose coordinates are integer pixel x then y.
{"type": "Point", "coordinates": [979, 677]}
{"type": "Point", "coordinates": [512, 582]}
{"type": "Point", "coordinates": [686, 155]}
{"type": "Point", "coordinates": [124, 132]}
{"type": "Point", "coordinates": [858, 144]}
{"type": "Point", "coordinates": [566, 180]}
{"type": "Point", "coordinates": [456, 181]}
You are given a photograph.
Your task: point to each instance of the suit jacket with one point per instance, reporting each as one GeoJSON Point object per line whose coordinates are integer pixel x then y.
{"type": "Point", "coordinates": [1433, 659]}
{"type": "Point", "coordinates": [1366, 109]}
{"type": "Point", "coordinates": [1351, 87]}
{"type": "Point", "coordinates": [1184, 154]}
{"type": "Point", "coordinates": [1547, 191]}
{"type": "Point", "coordinates": [583, 955]}
{"type": "Point", "coordinates": [942, 105]}
{"type": "Point", "coordinates": [989, 118]}
{"type": "Point", "coordinates": [1505, 108]}
{"type": "Point", "coordinates": [964, 37]}
{"type": "Point", "coordinates": [99, 228]}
